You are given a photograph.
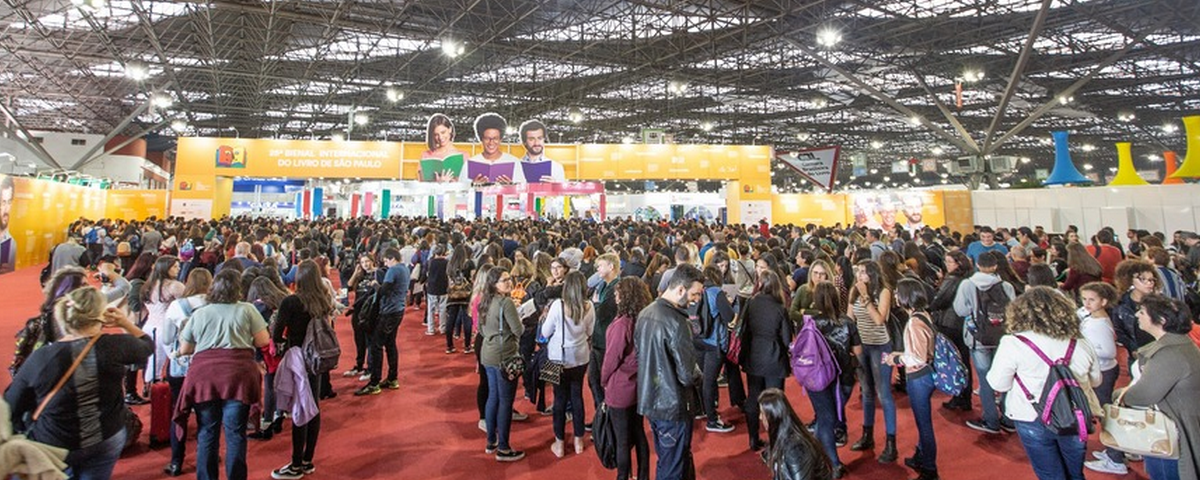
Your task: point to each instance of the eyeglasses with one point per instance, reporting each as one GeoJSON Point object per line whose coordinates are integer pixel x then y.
{"type": "Point", "coordinates": [505, 280]}
{"type": "Point", "coordinates": [1146, 279]}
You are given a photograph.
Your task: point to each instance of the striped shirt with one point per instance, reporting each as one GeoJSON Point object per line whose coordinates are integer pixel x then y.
{"type": "Point", "coordinates": [871, 333]}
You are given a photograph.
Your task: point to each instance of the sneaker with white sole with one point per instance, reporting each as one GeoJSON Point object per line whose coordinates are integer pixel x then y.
{"type": "Point", "coordinates": [1106, 465]}
{"type": "Point", "coordinates": [364, 377]}
{"type": "Point", "coordinates": [982, 427]}
{"type": "Point", "coordinates": [519, 417]}
{"type": "Point", "coordinates": [287, 472]}
{"type": "Point", "coordinates": [719, 427]}
{"type": "Point", "coordinates": [483, 425]}
{"type": "Point", "coordinates": [509, 456]}
{"type": "Point", "coordinates": [353, 372]}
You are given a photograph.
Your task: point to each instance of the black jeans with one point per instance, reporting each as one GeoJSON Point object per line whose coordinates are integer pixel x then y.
{"type": "Point", "coordinates": [178, 435]}
{"type": "Point", "coordinates": [362, 341]}
{"type": "Point", "coordinates": [569, 390]}
{"type": "Point", "coordinates": [733, 378]}
{"type": "Point", "coordinates": [593, 378]}
{"type": "Point", "coordinates": [710, 359]}
{"type": "Point", "coordinates": [481, 392]}
{"type": "Point", "coordinates": [757, 384]}
{"type": "Point", "coordinates": [525, 346]}
{"type": "Point", "coordinates": [631, 434]}
{"type": "Point", "coordinates": [304, 437]}
{"type": "Point", "coordinates": [457, 321]}
{"type": "Point", "coordinates": [383, 339]}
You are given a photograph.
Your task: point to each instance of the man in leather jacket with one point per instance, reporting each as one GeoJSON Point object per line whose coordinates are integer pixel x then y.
{"type": "Point", "coordinates": [668, 376]}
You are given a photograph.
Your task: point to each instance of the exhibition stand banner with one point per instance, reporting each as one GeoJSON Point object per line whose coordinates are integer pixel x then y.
{"type": "Point", "coordinates": [234, 157]}
{"type": "Point", "coordinates": [912, 210]}
{"type": "Point", "coordinates": [818, 165]}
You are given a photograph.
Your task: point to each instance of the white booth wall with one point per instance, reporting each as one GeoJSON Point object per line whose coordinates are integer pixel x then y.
{"type": "Point", "coordinates": [622, 204]}
{"type": "Point", "coordinates": [1155, 208]}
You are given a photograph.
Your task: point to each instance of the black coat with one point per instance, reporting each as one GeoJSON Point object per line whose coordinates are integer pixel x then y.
{"type": "Point", "coordinates": [667, 373]}
{"type": "Point", "coordinates": [799, 460]}
{"type": "Point", "coordinates": [766, 338]}
{"type": "Point", "coordinates": [942, 305]}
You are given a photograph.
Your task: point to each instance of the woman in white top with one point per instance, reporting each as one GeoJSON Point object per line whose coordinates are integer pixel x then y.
{"type": "Point", "coordinates": [1097, 328]}
{"type": "Point", "coordinates": [194, 295]}
{"type": "Point", "coordinates": [1047, 319]}
{"type": "Point", "coordinates": [157, 293]}
{"type": "Point", "coordinates": [568, 330]}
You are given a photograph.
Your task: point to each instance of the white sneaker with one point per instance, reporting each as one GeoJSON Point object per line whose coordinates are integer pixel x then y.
{"type": "Point", "coordinates": [1106, 465]}
{"type": "Point", "coordinates": [519, 417]}
{"type": "Point", "coordinates": [364, 377]}
{"type": "Point", "coordinates": [483, 426]}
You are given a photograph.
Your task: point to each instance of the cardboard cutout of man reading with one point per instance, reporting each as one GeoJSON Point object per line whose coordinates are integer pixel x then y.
{"type": "Point", "coordinates": [442, 162]}
{"type": "Point", "coordinates": [8, 245]}
{"type": "Point", "coordinates": [535, 167]}
{"type": "Point", "coordinates": [492, 165]}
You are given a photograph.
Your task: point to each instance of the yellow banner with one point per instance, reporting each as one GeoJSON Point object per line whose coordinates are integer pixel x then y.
{"type": "Point", "coordinates": [136, 204]}
{"type": "Point", "coordinates": [802, 209]}
{"type": "Point", "coordinates": [288, 158]}
{"type": "Point", "coordinates": [41, 212]}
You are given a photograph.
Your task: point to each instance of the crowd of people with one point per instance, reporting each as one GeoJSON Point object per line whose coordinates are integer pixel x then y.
{"type": "Point", "coordinates": [654, 318]}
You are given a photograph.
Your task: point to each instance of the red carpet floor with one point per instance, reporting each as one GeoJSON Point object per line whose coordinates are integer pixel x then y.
{"type": "Point", "coordinates": [427, 429]}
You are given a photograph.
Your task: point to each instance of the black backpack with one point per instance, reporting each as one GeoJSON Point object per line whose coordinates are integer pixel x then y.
{"type": "Point", "coordinates": [1063, 405]}
{"type": "Point", "coordinates": [989, 315]}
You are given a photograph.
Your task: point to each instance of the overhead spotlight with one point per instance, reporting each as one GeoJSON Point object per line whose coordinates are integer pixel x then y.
{"type": "Point", "coordinates": [887, 178]}
{"type": "Point", "coordinates": [706, 126]}
{"type": "Point", "coordinates": [820, 103]}
{"type": "Point", "coordinates": [628, 140]}
{"type": "Point", "coordinates": [944, 181]}
{"type": "Point", "coordinates": [1170, 128]}
{"type": "Point", "coordinates": [1065, 99]}
{"type": "Point", "coordinates": [876, 144]}
{"type": "Point", "coordinates": [874, 171]}
{"type": "Point", "coordinates": [361, 119]}
{"type": "Point", "coordinates": [936, 151]}
{"type": "Point", "coordinates": [1125, 116]}
{"type": "Point", "coordinates": [915, 120]}
{"type": "Point", "coordinates": [677, 87]}
{"type": "Point", "coordinates": [972, 75]}
{"type": "Point", "coordinates": [945, 175]}
{"type": "Point", "coordinates": [510, 130]}
{"type": "Point", "coordinates": [453, 48]}
{"type": "Point", "coordinates": [394, 95]}
{"type": "Point", "coordinates": [161, 100]}
{"type": "Point", "coordinates": [1088, 166]}
{"type": "Point", "coordinates": [1087, 147]}
{"type": "Point", "coordinates": [1026, 159]}
{"type": "Point", "coordinates": [136, 71]}
{"type": "Point", "coordinates": [828, 37]}
{"type": "Point", "coordinates": [803, 136]}
{"type": "Point", "coordinates": [575, 115]}
{"type": "Point", "coordinates": [1154, 157]}
{"type": "Point", "coordinates": [338, 136]}
{"type": "Point", "coordinates": [179, 125]}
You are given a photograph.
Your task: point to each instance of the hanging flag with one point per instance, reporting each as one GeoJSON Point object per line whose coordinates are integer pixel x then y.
{"type": "Point", "coordinates": [819, 165]}
{"type": "Point", "coordinates": [958, 94]}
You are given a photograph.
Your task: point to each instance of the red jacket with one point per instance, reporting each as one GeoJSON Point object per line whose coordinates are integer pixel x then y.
{"type": "Point", "coordinates": [619, 372]}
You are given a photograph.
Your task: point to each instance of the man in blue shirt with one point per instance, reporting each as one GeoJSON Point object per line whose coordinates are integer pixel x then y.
{"type": "Point", "coordinates": [393, 292]}
{"type": "Point", "coordinates": [986, 243]}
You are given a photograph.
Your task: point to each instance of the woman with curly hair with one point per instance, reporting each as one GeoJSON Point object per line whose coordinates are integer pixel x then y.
{"type": "Point", "coordinates": [1136, 280]}
{"type": "Point", "coordinates": [1042, 320]}
{"type": "Point", "coordinates": [619, 377]}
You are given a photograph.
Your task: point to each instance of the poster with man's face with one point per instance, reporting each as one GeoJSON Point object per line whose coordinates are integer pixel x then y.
{"type": "Point", "coordinates": [8, 246]}
{"type": "Point", "coordinates": [885, 210]}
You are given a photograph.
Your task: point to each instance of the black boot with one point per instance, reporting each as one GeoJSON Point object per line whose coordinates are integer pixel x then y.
{"type": "Point", "coordinates": [867, 441]}
{"type": "Point", "coordinates": [925, 474]}
{"type": "Point", "coordinates": [888, 455]}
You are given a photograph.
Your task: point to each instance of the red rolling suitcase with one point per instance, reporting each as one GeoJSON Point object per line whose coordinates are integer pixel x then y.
{"type": "Point", "coordinates": [160, 408]}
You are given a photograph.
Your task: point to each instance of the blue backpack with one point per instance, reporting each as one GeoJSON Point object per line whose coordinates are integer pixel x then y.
{"type": "Point", "coordinates": [813, 363]}
{"type": "Point", "coordinates": [949, 371]}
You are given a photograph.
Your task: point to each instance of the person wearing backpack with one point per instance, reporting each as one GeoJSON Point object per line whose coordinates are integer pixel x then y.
{"type": "Point", "coordinates": [1044, 328]}
{"type": "Point", "coordinates": [917, 361]}
{"type": "Point", "coordinates": [766, 335]}
{"type": "Point", "coordinates": [829, 404]}
{"type": "Point", "coordinates": [177, 315]}
{"type": "Point", "coordinates": [982, 300]}
{"type": "Point", "coordinates": [949, 323]}
{"type": "Point", "coordinates": [310, 303]}
{"type": "Point", "coordinates": [711, 338]}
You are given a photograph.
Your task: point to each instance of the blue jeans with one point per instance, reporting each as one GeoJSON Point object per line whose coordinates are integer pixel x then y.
{"type": "Point", "coordinates": [97, 461]}
{"type": "Point", "coordinates": [211, 416]}
{"type": "Point", "coordinates": [1053, 456]}
{"type": "Point", "coordinates": [987, 397]}
{"type": "Point", "coordinates": [673, 444]}
{"type": "Point", "coordinates": [1162, 468]}
{"type": "Point", "coordinates": [498, 412]}
{"type": "Point", "coordinates": [876, 380]}
{"type": "Point", "coordinates": [920, 394]}
{"type": "Point", "coordinates": [825, 406]}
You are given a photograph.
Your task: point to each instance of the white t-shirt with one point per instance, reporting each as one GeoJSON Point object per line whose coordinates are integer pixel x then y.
{"type": "Point", "coordinates": [568, 342]}
{"type": "Point", "coordinates": [1100, 332]}
{"type": "Point", "coordinates": [1014, 358]}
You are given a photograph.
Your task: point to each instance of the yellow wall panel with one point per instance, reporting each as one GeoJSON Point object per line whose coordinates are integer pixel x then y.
{"type": "Point", "coordinates": [135, 204]}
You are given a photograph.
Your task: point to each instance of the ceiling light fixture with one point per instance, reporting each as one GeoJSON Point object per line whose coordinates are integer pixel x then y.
{"type": "Point", "coordinates": [936, 151]}
{"type": "Point", "coordinates": [677, 87]}
{"type": "Point", "coordinates": [706, 126]}
{"type": "Point", "coordinates": [915, 120]}
{"type": "Point", "coordinates": [1026, 159]}
{"type": "Point", "coordinates": [628, 140]}
{"type": "Point", "coordinates": [179, 125]}
{"type": "Point", "coordinates": [820, 103]}
{"type": "Point", "coordinates": [361, 119]}
{"type": "Point", "coordinates": [829, 37]}
{"type": "Point", "coordinates": [803, 136]}
{"type": "Point", "coordinates": [973, 75]}
{"type": "Point", "coordinates": [1170, 128]}
{"type": "Point", "coordinates": [394, 95]}
{"type": "Point", "coordinates": [1125, 116]}
{"type": "Point", "coordinates": [452, 48]}
{"type": "Point", "coordinates": [338, 137]}
{"type": "Point", "coordinates": [136, 71]}
{"type": "Point", "coordinates": [575, 115]}
{"type": "Point", "coordinates": [1087, 147]}
{"type": "Point", "coordinates": [1088, 166]}
{"type": "Point", "coordinates": [876, 145]}
{"type": "Point", "coordinates": [1065, 99]}
{"type": "Point", "coordinates": [161, 100]}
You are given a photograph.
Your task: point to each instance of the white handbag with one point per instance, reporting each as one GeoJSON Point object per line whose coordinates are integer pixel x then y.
{"type": "Point", "coordinates": [1147, 432]}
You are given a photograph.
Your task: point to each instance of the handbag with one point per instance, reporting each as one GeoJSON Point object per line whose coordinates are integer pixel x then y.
{"type": "Point", "coordinates": [604, 437]}
{"type": "Point", "coordinates": [551, 371]}
{"type": "Point", "coordinates": [514, 366]}
{"type": "Point", "coordinates": [460, 289]}
{"type": "Point", "coordinates": [735, 334]}
{"type": "Point", "coordinates": [1147, 432]}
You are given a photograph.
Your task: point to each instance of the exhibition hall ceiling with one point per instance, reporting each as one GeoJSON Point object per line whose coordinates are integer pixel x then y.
{"type": "Point", "coordinates": [877, 77]}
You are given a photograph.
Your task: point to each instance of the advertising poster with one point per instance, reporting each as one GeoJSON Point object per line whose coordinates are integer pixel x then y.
{"type": "Point", "coordinates": [884, 210]}
{"type": "Point", "coordinates": [818, 165]}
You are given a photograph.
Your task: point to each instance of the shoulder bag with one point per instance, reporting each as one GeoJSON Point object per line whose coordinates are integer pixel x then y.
{"type": "Point", "coordinates": [514, 366]}
{"type": "Point", "coordinates": [551, 370]}
{"type": "Point", "coordinates": [1147, 432]}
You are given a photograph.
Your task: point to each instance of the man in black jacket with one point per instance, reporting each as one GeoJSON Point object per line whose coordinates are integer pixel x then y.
{"type": "Point", "coordinates": [668, 374]}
